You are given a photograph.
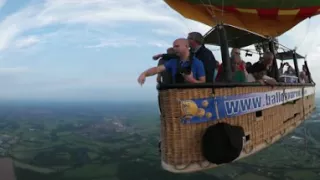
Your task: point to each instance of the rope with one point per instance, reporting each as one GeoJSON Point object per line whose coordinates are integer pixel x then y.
{"type": "Point", "coordinates": [209, 10]}
{"type": "Point", "coordinates": [282, 132]}
{"type": "Point", "coordinates": [304, 126]}
{"type": "Point", "coordinates": [183, 167]}
{"type": "Point", "coordinates": [200, 164]}
{"type": "Point", "coordinates": [249, 149]}
{"type": "Point", "coordinates": [305, 37]}
{"type": "Point", "coordinates": [204, 166]}
{"type": "Point", "coordinates": [268, 141]}
{"type": "Point", "coordinates": [222, 8]}
{"type": "Point", "coordinates": [313, 41]}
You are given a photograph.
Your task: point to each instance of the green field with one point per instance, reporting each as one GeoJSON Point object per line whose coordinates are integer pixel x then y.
{"type": "Point", "coordinates": [65, 146]}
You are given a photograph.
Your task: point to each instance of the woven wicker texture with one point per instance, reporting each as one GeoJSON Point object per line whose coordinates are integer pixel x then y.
{"type": "Point", "coordinates": [181, 142]}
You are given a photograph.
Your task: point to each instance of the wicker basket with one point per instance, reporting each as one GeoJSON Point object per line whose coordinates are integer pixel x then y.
{"type": "Point", "coordinates": [181, 143]}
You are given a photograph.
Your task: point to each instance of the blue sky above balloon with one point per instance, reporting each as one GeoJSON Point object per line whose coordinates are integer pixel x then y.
{"type": "Point", "coordinates": [95, 50]}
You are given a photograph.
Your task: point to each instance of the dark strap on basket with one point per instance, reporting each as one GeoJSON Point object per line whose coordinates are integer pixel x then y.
{"type": "Point", "coordinates": [159, 104]}
{"type": "Point", "coordinates": [213, 90]}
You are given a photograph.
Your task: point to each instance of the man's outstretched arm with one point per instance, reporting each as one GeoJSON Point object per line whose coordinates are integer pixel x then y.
{"type": "Point", "coordinates": [165, 56]}
{"type": "Point", "coordinates": [154, 70]}
{"type": "Point", "coordinates": [150, 72]}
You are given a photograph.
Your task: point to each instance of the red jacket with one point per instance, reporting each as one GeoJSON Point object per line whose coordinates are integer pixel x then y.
{"type": "Point", "coordinates": [241, 67]}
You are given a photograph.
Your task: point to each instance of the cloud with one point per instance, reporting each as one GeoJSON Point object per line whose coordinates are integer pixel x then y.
{"type": "Point", "coordinates": [11, 77]}
{"type": "Point", "coordinates": [160, 43]}
{"type": "Point", "coordinates": [304, 36]}
{"type": "Point", "coordinates": [2, 3]}
{"type": "Point", "coordinates": [116, 42]}
{"type": "Point", "coordinates": [75, 88]}
{"type": "Point", "coordinates": [27, 41]}
{"type": "Point", "coordinates": [14, 70]}
{"type": "Point", "coordinates": [110, 13]}
{"type": "Point", "coordinates": [163, 32]}
{"type": "Point", "coordinates": [129, 41]}
{"type": "Point", "coordinates": [101, 11]}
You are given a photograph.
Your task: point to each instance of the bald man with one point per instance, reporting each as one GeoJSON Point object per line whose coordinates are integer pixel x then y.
{"type": "Point", "coordinates": [179, 66]}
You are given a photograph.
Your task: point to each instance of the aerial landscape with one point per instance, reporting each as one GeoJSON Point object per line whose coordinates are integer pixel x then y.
{"type": "Point", "coordinates": [72, 105]}
{"type": "Point", "coordinates": [118, 141]}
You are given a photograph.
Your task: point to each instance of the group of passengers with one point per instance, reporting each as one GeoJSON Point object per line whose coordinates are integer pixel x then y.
{"type": "Point", "coordinates": [304, 78]}
{"type": "Point", "coordinates": [291, 72]}
{"type": "Point", "coordinates": [189, 61]}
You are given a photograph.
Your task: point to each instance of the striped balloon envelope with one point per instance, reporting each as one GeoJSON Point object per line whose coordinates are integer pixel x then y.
{"type": "Point", "coordinates": [266, 17]}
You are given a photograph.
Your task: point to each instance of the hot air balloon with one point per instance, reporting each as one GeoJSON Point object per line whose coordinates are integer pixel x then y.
{"type": "Point", "coordinates": [206, 125]}
{"type": "Point", "coordinates": [266, 17]}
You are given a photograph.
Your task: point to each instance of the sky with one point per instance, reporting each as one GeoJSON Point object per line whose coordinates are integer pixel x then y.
{"type": "Point", "coordinates": [96, 49]}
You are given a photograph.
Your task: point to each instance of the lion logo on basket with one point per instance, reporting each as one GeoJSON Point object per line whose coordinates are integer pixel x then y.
{"type": "Point", "coordinates": [189, 108]}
